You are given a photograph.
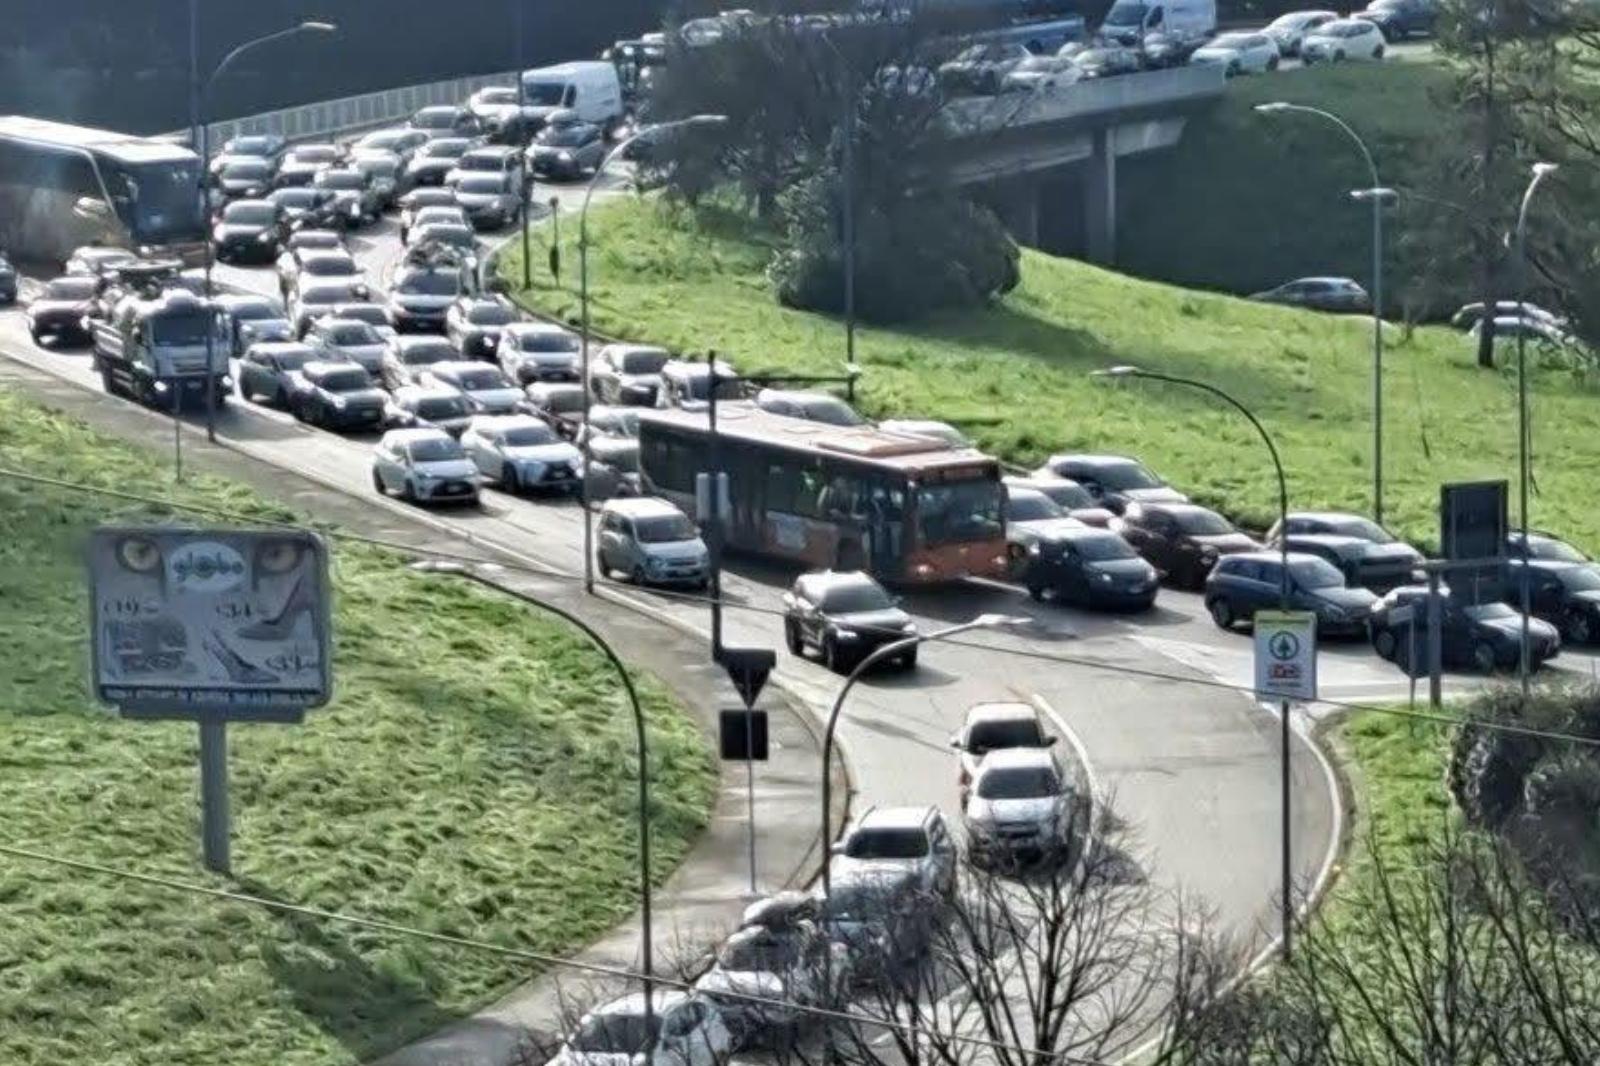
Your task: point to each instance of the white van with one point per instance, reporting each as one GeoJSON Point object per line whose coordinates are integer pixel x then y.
{"type": "Point", "coordinates": [1129, 21]}
{"type": "Point", "coordinates": [591, 88]}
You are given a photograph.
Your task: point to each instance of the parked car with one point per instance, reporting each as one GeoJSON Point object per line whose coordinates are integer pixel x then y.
{"type": "Point", "coordinates": [418, 200]}
{"type": "Point", "coordinates": [994, 727]}
{"type": "Point", "coordinates": [1182, 540]}
{"type": "Point", "coordinates": [1563, 592]}
{"type": "Point", "coordinates": [424, 465]}
{"type": "Point", "coordinates": [1484, 636]}
{"type": "Point", "coordinates": [430, 163]}
{"type": "Point", "coordinates": [1468, 315]}
{"type": "Point", "coordinates": [844, 616]}
{"type": "Point", "coordinates": [323, 264]}
{"type": "Point", "coordinates": [611, 467]}
{"type": "Point", "coordinates": [1289, 29]}
{"type": "Point", "coordinates": [406, 357]}
{"type": "Point", "coordinates": [446, 120]}
{"type": "Point", "coordinates": [306, 208]}
{"type": "Point", "coordinates": [560, 404]}
{"type": "Point", "coordinates": [1070, 496]}
{"type": "Point", "coordinates": [567, 149]}
{"type": "Point", "coordinates": [61, 312]}
{"type": "Point", "coordinates": [811, 406]}
{"type": "Point", "coordinates": [627, 374]}
{"type": "Point", "coordinates": [485, 388]}
{"type": "Point", "coordinates": [472, 324]}
{"type": "Point", "coordinates": [248, 231]}
{"type": "Point", "coordinates": [942, 432]}
{"type": "Point", "coordinates": [421, 293]}
{"type": "Point", "coordinates": [1242, 584]}
{"type": "Point", "coordinates": [1022, 808]}
{"type": "Point", "coordinates": [1364, 552]}
{"type": "Point", "coordinates": [885, 841]}
{"type": "Point", "coordinates": [1031, 516]}
{"type": "Point", "coordinates": [401, 142]}
{"type": "Point", "coordinates": [679, 1029]}
{"type": "Point", "coordinates": [8, 280]}
{"type": "Point", "coordinates": [1539, 331]}
{"type": "Point", "coordinates": [244, 178]}
{"type": "Point", "coordinates": [1113, 480]}
{"type": "Point", "coordinates": [1318, 294]}
{"type": "Point", "coordinates": [356, 200]}
{"type": "Point", "coordinates": [421, 406]}
{"type": "Point", "coordinates": [520, 452]}
{"type": "Point", "coordinates": [266, 370]}
{"type": "Point", "coordinates": [1345, 39]}
{"type": "Point", "coordinates": [537, 351]}
{"type": "Point", "coordinates": [763, 979]}
{"type": "Point", "coordinates": [1091, 567]}
{"type": "Point", "coordinates": [252, 319]}
{"type": "Point", "coordinates": [335, 395]}
{"type": "Point", "coordinates": [301, 163]}
{"type": "Point", "coordinates": [651, 542]}
{"type": "Point", "coordinates": [355, 341]}
{"type": "Point", "coordinates": [1399, 19]}
{"type": "Point", "coordinates": [489, 201]}
{"type": "Point", "coordinates": [1239, 52]}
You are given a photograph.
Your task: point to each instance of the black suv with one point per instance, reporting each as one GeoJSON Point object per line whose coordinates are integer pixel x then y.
{"type": "Point", "coordinates": [1485, 636]}
{"type": "Point", "coordinates": [336, 395]}
{"type": "Point", "coordinates": [1365, 552]}
{"type": "Point", "coordinates": [1182, 540]}
{"type": "Point", "coordinates": [845, 616]}
{"type": "Point", "coordinates": [1240, 585]}
{"type": "Point", "coordinates": [1399, 19]}
{"type": "Point", "coordinates": [1565, 589]}
{"type": "Point", "coordinates": [1095, 567]}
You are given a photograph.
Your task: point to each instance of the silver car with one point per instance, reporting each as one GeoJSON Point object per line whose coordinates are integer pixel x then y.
{"type": "Point", "coordinates": [348, 337]}
{"type": "Point", "coordinates": [521, 452]}
{"type": "Point", "coordinates": [420, 405]}
{"type": "Point", "coordinates": [1022, 808]}
{"type": "Point", "coordinates": [424, 466]}
{"type": "Point", "coordinates": [485, 388]}
{"type": "Point", "coordinates": [652, 542]}
{"type": "Point", "coordinates": [538, 351]}
{"type": "Point", "coordinates": [408, 357]}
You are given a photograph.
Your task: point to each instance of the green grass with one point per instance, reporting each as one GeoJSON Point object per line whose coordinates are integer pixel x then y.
{"type": "Point", "coordinates": [1015, 375]}
{"type": "Point", "coordinates": [473, 776]}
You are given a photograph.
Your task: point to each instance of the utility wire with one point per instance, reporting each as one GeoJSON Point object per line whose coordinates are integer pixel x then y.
{"type": "Point", "coordinates": [705, 600]}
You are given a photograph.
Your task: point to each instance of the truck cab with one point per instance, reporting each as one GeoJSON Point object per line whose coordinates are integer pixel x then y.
{"type": "Point", "coordinates": [163, 346]}
{"type": "Point", "coordinates": [1130, 21]}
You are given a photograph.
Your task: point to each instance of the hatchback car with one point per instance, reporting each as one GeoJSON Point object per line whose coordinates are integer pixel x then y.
{"type": "Point", "coordinates": [567, 150]}
{"type": "Point", "coordinates": [1113, 480]}
{"type": "Point", "coordinates": [763, 979]}
{"type": "Point", "coordinates": [266, 370]}
{"type": "Point", "coordinates": [538, 351]}
{"type": "Point", "coordinates": [446, 120]}
{"type": "Point", "coordinates": [882, 918]}
{"type": "Point", "coordinates": [335, 395]}
{"type": "Point", "coordinates": [301, 163]}
{"type": "Point", "coordinates": [560, 404]}
{"type": "Point", "coordinates": [1399, 19]}
{"type": "Point", "coordinates": [1241, 52]}
{"type": "Point", "coordinates": [1240, 585]}
{"type": "Point", "coordinates": [473, 323]}
{"type": "Point", "coordinates": [414, 406]}
{"type": "Point", "coordinates": [678, 1029]}
{"type": "Point", "coordinates": [1182, 540]}
{"type": "Point", "coordinates": [1318, 294]}
{"type": "Point", "coordinates": [355, 341]}
{"type": "Point", "coordinates": [611, 468]}
{"type": "Point", "coordinates": [1092, 568]}
{"type": "Point", "coordinates": [1484, 636]}
{"type": "Point", "coordinates": [485, 388]}
{"type": "Point", "coordinates": [1031, 516]}
{"type": "Point", "coordinates": [431, 162]}
{"type": "Point", "coordinates": [1290, 29]}
{"type": "Point", "coordinates": [253, 319]}
{"type": "Point", "coordinates": [406, 357]}
{"type": "Point", "coordinates": [61, 311]}
{"type": "Point", "coordinates": [844, 616]}
{"type": "Point", "coordinates": [1022, 808]}
{"type": "Point", "coordinates": [1565, 594]}
{"type": "Point", "coordinates": [424, 465]}
{"type": "Point", "coordinates": [627, 374]}
{"type": "Point", "coordinates": [1367, 554]}
{"type": "Point", "coordinates": [1070, 496]}
{"type": "Point", "coordinates": [520, 452]}
{"type": "Point", "coordinates": [993, 727]}
{"type": "Point", "coordinates": [651, 542]}
{"type": "Point", "coordinates": [1346, 39]}
{"type": "Point", "coordinates": [489, 201]}
{"type": "Point", "coordinates": [418, 200]}
{"type": "Point", "coordinates": [420, 295]}
{"type": "Point", "coordinates": [885, 841]}
{"type": "Point", "coordinates": [248, 232]}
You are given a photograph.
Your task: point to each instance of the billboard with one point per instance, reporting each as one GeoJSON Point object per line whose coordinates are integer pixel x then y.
{"type": "Point", "coordinates": [210, 624]}
{"type": "Point", "coordinates": [1473, 525]}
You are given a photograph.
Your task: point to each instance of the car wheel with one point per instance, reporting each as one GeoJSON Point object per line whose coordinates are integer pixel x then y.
{"type": "Point", "coordinates": [107, 382]}
{"type": "Point", "coordinates": [791, 637]}
{"type": "Point", "coordinates": [1036, 592]}
{"type": "Point", "coordinates": [509, 481]}
{"type": "Point", "coordinates": [1338, 57]}
{"type": "Point", "coordinates": [636, 575]}
{"type": "Point", "coordinates": [1221, 613]}
{"type": "Point", "coordinates": [377, 484]}
{"type": "Point", "coordinates": [1272, 64]}
{"type": "Point", "coordinates": [908, 661]}
{"type": "Point", "coordinates": [1577, 627]}
{"type": "Point", "coordinates": [1385, 643]}
{"type": "Point", "coordinates": [1377, 53]}
{"type": "Point", "coordinates": [1016, 554]}
{"type": "Point", "coordinates": [408, 492]}
{"type": "Point", "coordinates": [1484, 657]}
{"type": "Point", "coordinates": [830, 654]}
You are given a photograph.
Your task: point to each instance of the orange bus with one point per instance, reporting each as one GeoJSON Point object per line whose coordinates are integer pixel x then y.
{"type": "Point", "coordinates": [908, 510]}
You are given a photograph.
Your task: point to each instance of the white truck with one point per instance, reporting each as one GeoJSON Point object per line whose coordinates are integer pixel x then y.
{"type": "Point", "coordinates": [163, 346]}
{"type": "Point", "coordinates": [1189, 22]}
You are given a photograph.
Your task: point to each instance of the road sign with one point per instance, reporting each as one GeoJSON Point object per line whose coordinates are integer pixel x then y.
{"type": "Point", "coordinates": [744, 735]}
{"type": "Point", "coordinates": [1473, 524]}
{"type": "Point", "coordinates": [1286, 654]}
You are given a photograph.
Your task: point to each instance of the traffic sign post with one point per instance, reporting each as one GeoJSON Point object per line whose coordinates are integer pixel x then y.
{"type": "Point", "coordinates": [748, 669]}
{"type": "Point", "coordinates": [210, 626]}
{"type": "Point", "coordinates": [1286, 654]}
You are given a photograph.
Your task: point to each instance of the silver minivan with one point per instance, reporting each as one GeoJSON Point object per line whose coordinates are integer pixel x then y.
{"type": "Point", "coordinates": [652, 542]}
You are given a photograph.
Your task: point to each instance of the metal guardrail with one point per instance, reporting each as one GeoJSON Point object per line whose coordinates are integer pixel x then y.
{"type": "Point", "coordinates": [350, 114]}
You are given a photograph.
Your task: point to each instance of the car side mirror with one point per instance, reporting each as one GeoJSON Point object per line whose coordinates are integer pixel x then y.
{"type": "Point", "coordinates": [91, 208]}
{"type": "Point", "coordinates": [1050, 741]}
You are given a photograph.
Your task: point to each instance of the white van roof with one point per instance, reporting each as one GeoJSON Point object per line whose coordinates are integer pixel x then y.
{"type": "Point", "coordinates": [568, 71]}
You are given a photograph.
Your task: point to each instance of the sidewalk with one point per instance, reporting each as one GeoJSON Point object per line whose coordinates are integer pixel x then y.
{"type": "Point", "coordinates": [703, 899]}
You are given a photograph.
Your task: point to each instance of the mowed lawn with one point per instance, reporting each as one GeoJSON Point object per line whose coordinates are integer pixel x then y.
{"type": "Point", "coordinates": [1015, 376]}
{"type": "Point", "coordinates": [473, 776]}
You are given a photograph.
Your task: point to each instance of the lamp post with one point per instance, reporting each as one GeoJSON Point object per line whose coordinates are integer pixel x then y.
{"type": "Point", "coordinates": [1287, 871]}
{"type": "Point", "coordinates": [526, 196]}
{"type": "Point", "coordinates": [472, 573]}
{"type": "Point", "coordinates": [583, 302]}
{"type": "Point", "coordinates": [199, 114]}
{"type": "Point", "coordinates": [847, 176]}
{"type": "Point", "coordinates": [1377, 195]}
{"type": "Point", "coordinates": [1540, 172]}
{"type": "Point", "coordinates": [878, 655]}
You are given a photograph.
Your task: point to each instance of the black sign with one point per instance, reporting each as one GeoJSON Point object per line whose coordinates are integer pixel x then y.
{"type": "Point", "coordinates": [1473, 525]}
{"type": "Point", "coordinates": [748, 669]}
{"type": "Point", "coordinates": [744, 735]}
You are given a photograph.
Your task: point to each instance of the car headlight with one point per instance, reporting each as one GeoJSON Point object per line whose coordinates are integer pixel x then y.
{"type": "Point", "coordinates": [656, 563]}
{"type": "Point", "coordinates": [1103, 577]}
{"type": "Point", "coordinates": [565, 157]}
{"type": "Point", "coordinates": [909, 628]}
{"type": "Point", "coordinates": [339, 403]}
{"type": "Point", "coordinates": [1208, 555]}
{"type": "Point", "coordinates": [845, 634]}
{"type": "Point", "coordinates": [489, 342]}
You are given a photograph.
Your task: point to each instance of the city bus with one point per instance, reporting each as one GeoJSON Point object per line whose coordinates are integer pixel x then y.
{"type": "Point", "coordinates": [65, 186]}
{"type": "Point", "coordinates": [909, 510]}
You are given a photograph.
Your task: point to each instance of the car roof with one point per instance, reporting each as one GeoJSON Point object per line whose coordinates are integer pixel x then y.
{"type": "Point", "coordinates": [1016, 759]}
{"type": "Point", "coordinates": [501, 422]}
{"type": "Point", "coordinates": [281, 347]}
{"type": "Point", "coordinates": [425, 392]}
{"type": "Point", "coordinates": [407, 436]}
{"type": "Point", "coordinates": [634, 1003]}
{"type": "Point", "coordinates": [895, 818]}
{"type": "Point", "coordinates": [461, 366]}
{"type": "Point", "coordinates": [823, 580]}
{"type": "Point", "coordinates": [641, 507]}
{"type": "Point", "coordinates": [524, 326]}
{"type": "Point", "coordinates": [553, 388]}
{"type": "Point", "coordinates": [1024, 491]}
{"type": "Point", "coordinates": [330, 322]}
{"type": "Point", "coordinates": [323, 366]}
{"type": "Point", "coordinates": [1093, 460]}
{"type": "Point", "coordinates": [1001, 711]}
{"type": "Point", "coordinates": [1267, 556]}
{"type": "Point", "coordinates": [406, 341]}
{"type": "Point", "coordinates": [625, 349]}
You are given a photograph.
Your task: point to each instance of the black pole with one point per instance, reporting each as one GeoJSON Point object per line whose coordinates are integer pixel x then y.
{"type": "Point", "coordinates": [523, 140]}
{"type": "Point", "coordinates": [713, 526]}
{"type": "Point", "coordinates": [849, 177]}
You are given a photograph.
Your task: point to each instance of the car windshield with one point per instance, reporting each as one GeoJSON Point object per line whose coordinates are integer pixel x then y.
{"type": "Point", "coordinates": [249, 146]}
{"type": "Point", "coordinates": [315, 153]}
{"type": "Point", "coordinates": [620, 423]}
{"type": "Point", "coordinates": [887, 844]}
{"type": "Point", "coordinates": [490, 315]}
{"type": "Point", "coordinates": [385, 167]}
{"type": "Point", "coordinates": [985, 737]}
{"type": "Point", "coordinates": [1316, 574]}
{"type": "Point", "coordinates": [1350, 29]}
{"type": "Point", "coordinates": [528, 436]}
{"type": "Point", "coordinates": [353, 333]}
{"type": "Point", "coordinates": [254, 311]}
{"type": "Point", "coordinates": [854, 597]}
{"type": "Point", "coordinates": [250, 214]}
{"type": "Point", "coordinates": [295, 359]}
{"type": "Point", "coordinates": [1119, 477]}
{"type": "Point", "coordinates": [1104, 548]}
{"type": "Point", "coordinates": [478, 380]}
{"type": "Point", "coordinates": [1030, 507]}
{"type": "Point", "coordinates": [188, 327]}
{"type": "Point", "coordinates": [384, 139]}
{"type": "Point", "coordinates": [430, 283]}
{"type": "Point", "coordinates": [760, 954]}
{"type": "Point", "coordinates": [490, 183]}
{"type": "Point", "coordinates": [1485, 612]}
{"type": "Point", "coordinates": [1200, 523]}
{"type": "Point", "coordinates": [1547, 548]}
{"type": "Point", "coordinates": [450, 149]}
{"type": "Point", "coordinates": [645, 362]}
{"type": "Point", "coordinates": [427, 354]}
{"type": "Point", "coordinates": [1019, 782]}
{"type": "Point", "coordinates": [434, 118]}
{"type": "Point", "coordinates": [567, 136]}
{"type": "Point", "coordinates": [329, 266]}
{"type": "Point", "coordinates": [440, 407]}
{"type": "Point", "coordinates": [547, 341]}
{"type": "Point", "coordinates": [959, 511]}
{"type": "Point", "coordinates": [460, 236]}
{"type": "Point", "coordinates": [561, 401]}
{"type": "Point", "coordinates": [543, 93]}
{"type": "Point", "coordinates": [345, 380]}
{"type": "Point", "coordinates": [315, 238]}
{"type": "Point", "coordinates": [249, 170]}
{"type": "Point", "coordinates": [1580, 578]}
{"type": "Point", "coordinates": [434, 449]}
{"type": "Point", "coordinates": [326, 294]}
{"type": "Point", "coordinates": [70, 288]}
{"type": "Point", "coordinates": [371, 314]}
{"type": "Point", "coordinates": [1363, 528]}
{"type": "Point", "coordinates": [1125, 15]}
{"type": "Point", "coordinates": [663, 529]}
{"type": "Point", "coordinates": [297, 197]}
{"type": "Point", "coordinates": [341, 179]}
{"type": "Point", "coordinates": [1069, 496]}
{"type": "Point", "coordinates": [617, 1034]}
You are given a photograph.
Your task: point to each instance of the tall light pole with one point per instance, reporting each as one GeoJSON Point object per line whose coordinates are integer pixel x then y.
{"type": "Point", "coordinates": [1377, 195]}
{"type": "Point", "coordinates": [199, 114]}
{"type": "Point", "coordinates": [1540, 172]}
{"type": "Point", "coordinates": [878, 655]}
{"type": "Point", "coordinates": [473, 573]}
{"type": "Point", "coordinates": [583, 302]}
{"type": "Point", "coordinates": [1287, 872]}
{"type": "Point", "coordinates": [518, 28]}
{"type": "Point", "coordinates": [847, 177]}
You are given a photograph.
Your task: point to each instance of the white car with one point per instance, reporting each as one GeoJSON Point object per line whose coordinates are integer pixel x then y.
{"type": "Point", "coordinates": [485, 388]}
{"type": "Point", "coordinates": [522, 452]}
{"type": "Point", "coordinates": [1291, 29]}
{"type": "Point", "coordinates": [682, 1030]}
{"type": "Point", "coordinates": [1341, 40]}
{"type": "Point", "coordinates": [538, 351]}
{"type": "Point", "coordinates": [424, 466]}
{"type": "Point", "coordinates": [354, 340]}
{"type": "Point", "coordinates": [1239, 53]}
{"type": "Point", "coordinates": [995, 727]}
{"type": "Point", "coordinates": [1021, 808]}
{"type": "Point", "coordinates": [790, 967]}
{"type": "Point", "coordinates": [1538, 331]}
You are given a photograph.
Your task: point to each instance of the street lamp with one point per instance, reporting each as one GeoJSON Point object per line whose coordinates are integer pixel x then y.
{"type": "Point", "coordinates": [472, 573]}
{"type": "Point", "coordinates": [198, 113]}
{"type": "Point", "coordinates": [583, 300]}
{"type": "Point", "coordinates": [1283, 598]}
{"type": "Point", "coordinates": [847, 176]}
{"type": "Point", "coordinates": [878, 655]}
{"type": "Point", "coordinates": [1376, 194]}
{"type": "Point", "coordinates": [1540, 172]}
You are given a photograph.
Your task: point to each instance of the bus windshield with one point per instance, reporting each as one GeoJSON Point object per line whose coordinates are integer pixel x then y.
{"type": "Point", "coordinates": [158, 201]}
{"type": "Point", "coordinates": [959, 511]}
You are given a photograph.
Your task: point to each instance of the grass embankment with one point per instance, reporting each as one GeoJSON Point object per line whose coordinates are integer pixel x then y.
{"type": "Point", "coordinates": [1014, 376]}
{"type": "Point", "coordinates": [1247, 201]}
{"type": "Point", "coordinates": [473, 776]}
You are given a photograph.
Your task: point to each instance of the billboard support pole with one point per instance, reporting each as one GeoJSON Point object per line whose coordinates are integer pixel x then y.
{"type": "Point", "coordinates": [214, 814]}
